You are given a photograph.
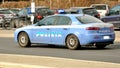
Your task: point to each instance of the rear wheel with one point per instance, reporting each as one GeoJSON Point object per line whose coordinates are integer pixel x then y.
{"type": "Point", "coordinates": [23, 40]}
{"type": "Point", "coordinates": [5, 25]}
{"type": "Point", "coordinates": [72, 42]}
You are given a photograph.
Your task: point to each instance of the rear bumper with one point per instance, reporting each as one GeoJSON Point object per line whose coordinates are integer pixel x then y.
{"type": "Point", "coordinates": [100, 38]}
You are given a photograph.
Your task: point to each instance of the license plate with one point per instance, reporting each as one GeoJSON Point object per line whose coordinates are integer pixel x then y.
{"type": "Point", "coordinates": [106, 37]}
{"type": "Point", "coordinates": [104, 31]}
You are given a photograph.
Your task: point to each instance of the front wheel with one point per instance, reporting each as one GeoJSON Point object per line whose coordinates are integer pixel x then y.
{"type": "Point", "coordinates": [72, 42]}
{"type": "Point", "coordinates": [23, 40]}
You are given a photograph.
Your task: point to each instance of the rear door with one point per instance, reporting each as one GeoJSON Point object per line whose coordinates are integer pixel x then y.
{"type": "Point", "coordinates": [60, 30]}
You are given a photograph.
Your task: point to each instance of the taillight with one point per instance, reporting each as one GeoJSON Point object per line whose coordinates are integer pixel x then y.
{"type": "Point", "coordinates": [112, 27]}
{"type": "Point", "coordinates": [1, 15]}
{"type": "Point", "coordinates": [92, 28]}
{"type": "Point", "coordinates": [39, 17]}
{"type": "Point", "coordinates": [98, 15]}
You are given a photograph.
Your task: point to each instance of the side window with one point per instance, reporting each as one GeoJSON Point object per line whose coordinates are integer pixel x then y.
{"type": "Point", "coordinates": [79, 11]}
{"type": "Point", "coordinates": [47, 21]}
{"type": "Point", "coordinates": [23, 12]}
{"type": "Point", "coordinates": [42, 11]}
{"type": "Point", "coordinates": [20, 12]}
{"type": "Point", "coordinates": [63, 21]}
{"type": "Point", "coordinates": [114, 11]}
{"type": "Point", "coordinates": [116, 8]}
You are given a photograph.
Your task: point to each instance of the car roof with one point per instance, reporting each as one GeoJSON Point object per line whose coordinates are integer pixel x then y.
{"type": "Point", "coordinates": [69, 15]}
{"type": "Point", "coordinates": [116, 5]}
{"type": "Point", "coordinates": [81, 7]}
{"type": "Point", "coordinates": [41, 7]}
{"type": "Point", "coordinates": [15, 8]}
{"type": "Point", "coordinates": [4, 9]}
{"type": "Point", "coordinates": [99, 4]}
{"type": "Point", "coordinates": [75, 9]}
{"type": "Point", "coordinates": [38, 7]}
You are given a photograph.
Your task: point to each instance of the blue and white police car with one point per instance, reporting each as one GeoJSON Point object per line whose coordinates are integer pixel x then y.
{"type": "Point", "coordinates": [71, 30]}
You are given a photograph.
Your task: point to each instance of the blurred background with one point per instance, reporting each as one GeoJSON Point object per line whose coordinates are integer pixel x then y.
{"type": "Point", "coordinates": [55, 4]}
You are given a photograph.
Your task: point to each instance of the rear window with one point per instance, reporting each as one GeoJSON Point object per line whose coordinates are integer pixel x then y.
{"type": "Point", "coordinates": [88, 19]}
{"type": "Point", "coordinates": [90, 11]}
{"type": "Point", "coordinates": [75, 10]}
{"type": "Point", "coordinates": [44, 11]}
{"type": "Point", "coordinates": [100, 7]}
{"type": "Point", "coordinates": [116, 8]}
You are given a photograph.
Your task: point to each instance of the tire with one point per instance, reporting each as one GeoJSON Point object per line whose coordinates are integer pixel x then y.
{"type": "Point", "coordinates": [12, 25]}
{"type": "Point", "coordinates": [5, 25]}
{"type": "Point", "coordinates": [72, 42]}
{"type": "Point", "coordinates": [23, 40]}
{"type": "Point", "coordinates": [102, 46]}
{"type": "Point", "coordinates": [16, 23]}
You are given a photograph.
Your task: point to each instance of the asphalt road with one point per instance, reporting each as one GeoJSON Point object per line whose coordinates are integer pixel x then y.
{"type": "Point", "coordinates": [109, 54]}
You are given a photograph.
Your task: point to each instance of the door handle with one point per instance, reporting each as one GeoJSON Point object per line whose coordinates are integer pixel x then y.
{"type": "Point", "coordinates": [47, 28]}
{"type": "Point", "coordinates": [65, 29]}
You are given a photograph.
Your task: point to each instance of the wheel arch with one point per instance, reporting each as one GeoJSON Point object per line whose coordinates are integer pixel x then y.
{"type": "Point", "coordinates": [21, 32]}
{"type": "Point", "coordinates": [72, 34]}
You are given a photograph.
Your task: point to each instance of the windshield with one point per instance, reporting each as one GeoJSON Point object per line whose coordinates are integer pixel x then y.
{"type": "Point", "coordinates": [115, 8]}
{"type": "Point", "coordinates": [14, 10]}
{"type": "Point", "coordinates": [88, 19]}
{"type": "Point", "coordinates": [5, 12]}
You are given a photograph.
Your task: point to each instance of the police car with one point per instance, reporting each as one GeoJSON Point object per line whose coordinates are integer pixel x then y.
{"type": "Point", "coordinates": [71, 30]}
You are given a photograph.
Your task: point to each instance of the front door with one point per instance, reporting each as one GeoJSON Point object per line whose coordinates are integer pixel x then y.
{"type": "Point", "coordinates": [60, 30]}
{"type": "Point", "coordinates": [41, 33]}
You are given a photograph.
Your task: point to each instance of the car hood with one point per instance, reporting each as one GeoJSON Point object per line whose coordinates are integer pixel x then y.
{"type": "Point", "coordinates": [26, 27]}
